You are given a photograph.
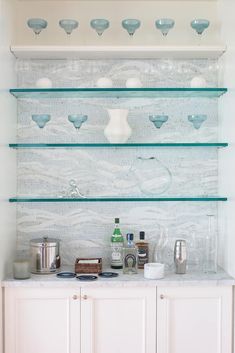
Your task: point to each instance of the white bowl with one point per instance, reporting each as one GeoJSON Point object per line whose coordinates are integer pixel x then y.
{"type": "Point", "coordinates": [104, 82]}
{"type": "Point", "coordinates": [154, 270]}
{"type": "Point", "coordinates": [44, 82]}
{"type": "Point", "coordinates": [133, 82]}
{"type": "Point", "coordinates": [198, 82]}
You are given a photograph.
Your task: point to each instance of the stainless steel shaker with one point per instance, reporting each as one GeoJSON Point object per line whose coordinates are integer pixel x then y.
{"type": "Point", "coordinates": [180, 256]}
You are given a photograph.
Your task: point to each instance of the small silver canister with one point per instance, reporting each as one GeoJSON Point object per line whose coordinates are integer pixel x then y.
{"type": "Point", "coordinates": [180, 256]}
{"type": "Point", "coordinates": [44, 255]}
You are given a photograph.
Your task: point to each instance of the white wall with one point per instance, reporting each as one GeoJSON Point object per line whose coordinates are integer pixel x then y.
{"type": "Point", "coordinates": [7, 134]}
{"type": "Point", "coordinates": [147, 11]}
{"type": "Point", "coordinates": [226, 9]}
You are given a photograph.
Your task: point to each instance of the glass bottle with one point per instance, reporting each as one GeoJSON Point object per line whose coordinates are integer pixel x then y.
{"type": "Point", "coordinates": [210, 261]}
{"type": "Point", "coordinates": [130, 255]}
{"type": "Point", "coordinates": [164, 250]}
{"type": "Point", "coordinates": [117, 241]}
{"type": "Point", "coordinates": [143, 251]}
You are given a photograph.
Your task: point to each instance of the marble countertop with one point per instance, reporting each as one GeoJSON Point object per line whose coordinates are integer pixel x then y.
{"type": "Point", "coordinates": [221, 278]}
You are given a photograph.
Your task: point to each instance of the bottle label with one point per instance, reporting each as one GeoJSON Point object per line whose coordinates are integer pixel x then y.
{"type": "Point", "coordinates": [142, 257]}
{"type": "Point", "coordinates": [116, 255]}
{"type": "Point", "coordinates": [130, 261]}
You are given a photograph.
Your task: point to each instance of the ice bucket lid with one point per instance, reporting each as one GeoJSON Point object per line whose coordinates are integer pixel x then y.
{"type": "Point", "coordinates": [44, 242]}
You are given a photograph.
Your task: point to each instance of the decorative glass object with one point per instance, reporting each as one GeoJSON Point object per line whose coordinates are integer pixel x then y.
{"type": "Point", "coordinates": [37, 24]}
{"type": "Point", "coordinates": [77, 120]}
{"type": "Point", "coordinates": [131, 25]}
{"type": "Point", "coordinates": [197, 120]}
{"type": "Point", "coordinates": [200, 25]}
{"type": "Point", "coordinates": [164, 25]}
{"type": "Point", "coordinates": [210, 258]}
{"type": "Point", "coordinates": [41, 119]}
{"type": "Point", "coordinates": [74, 191]}
{"type": "Point", "coordinates": [158, 120]}
{"type": "Point", "coordinates": [152, 176]}
{"type": "Point", "coordinates": [68, 25]}
{"type": "Point", "coordinates": [99, 25]}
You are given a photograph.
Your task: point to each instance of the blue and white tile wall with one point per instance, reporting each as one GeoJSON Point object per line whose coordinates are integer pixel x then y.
{"type": "Point", "coordinates": [85, 229]}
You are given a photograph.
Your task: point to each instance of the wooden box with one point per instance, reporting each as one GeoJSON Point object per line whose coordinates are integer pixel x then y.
{"type": "Point", "coordinates": [88, 267]}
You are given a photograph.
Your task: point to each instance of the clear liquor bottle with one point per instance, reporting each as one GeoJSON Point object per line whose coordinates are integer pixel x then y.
{"type": "Point", "coordinates": [210, 260]}
{"type": "Point", "coordinates": [117, 242]}
{"type": "Point", "coordinates": [130, 256]}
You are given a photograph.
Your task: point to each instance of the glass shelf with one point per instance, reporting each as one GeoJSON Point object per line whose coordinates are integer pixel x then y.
{"type": "Point", "coordinates": [115, 199]}
{"type": "Point", "coordinates": [113, 145]}
{"type": "Point", "coordinates": [39, 93]}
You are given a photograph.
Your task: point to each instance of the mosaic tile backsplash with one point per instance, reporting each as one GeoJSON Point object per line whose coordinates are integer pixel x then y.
{"type": "Point", "coordinates": [85, 229]}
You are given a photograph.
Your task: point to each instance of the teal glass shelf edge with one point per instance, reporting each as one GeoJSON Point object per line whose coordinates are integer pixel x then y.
{"type": "Point", "coordinates": [113, 145]}
{"type": "Point", "coordinates": [116, 199]}
{"type": "Point", "coordinates": [153, 92]}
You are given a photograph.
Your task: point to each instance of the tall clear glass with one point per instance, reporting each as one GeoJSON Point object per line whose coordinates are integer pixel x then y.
{"type": "Point", "coordinates": [210, 260]}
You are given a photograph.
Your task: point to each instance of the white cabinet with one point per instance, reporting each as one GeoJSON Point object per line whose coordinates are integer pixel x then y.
{"type": "Point", "coordinates": [42, 320]}
{"type": "Point", "coordinates": [118, 320]}
{"type": "Point", "coordinates": [195, 320]}
{"type": "Point", "coordinates": [113, 320]}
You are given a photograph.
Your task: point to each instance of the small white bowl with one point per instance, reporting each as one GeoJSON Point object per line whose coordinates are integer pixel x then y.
{"type": "Point", "coordinates": [154, 270]}
{"type": "Point", "coordinates": [104, 82]}
{"type": "Point", "coordinates": [133, 82]}
{"type": "Point", "coordinates": [198, 82]}
{"type": "Point", "coordinates": [44, 82]}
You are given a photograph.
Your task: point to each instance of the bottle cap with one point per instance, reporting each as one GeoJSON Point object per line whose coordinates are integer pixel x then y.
{"type": "Point", "coordinates": [117, 220]}
{"type": "Point", "coordinates": [142, 235]}
{"type": "Point", "coordinates": [129, 236]}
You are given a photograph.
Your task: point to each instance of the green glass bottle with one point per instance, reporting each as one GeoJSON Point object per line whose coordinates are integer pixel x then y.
{"type": "Point", "coordinates": [117, 242]}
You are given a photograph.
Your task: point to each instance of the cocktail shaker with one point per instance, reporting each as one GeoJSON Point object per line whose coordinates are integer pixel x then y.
{"type": "Point", "coordinates": [180, 256]}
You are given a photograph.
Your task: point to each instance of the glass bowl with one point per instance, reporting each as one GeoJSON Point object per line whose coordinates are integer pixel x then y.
{"type": "Point", "coordinates": [99, 25]}
{"type": "Point", "coordinates": [200, 25]}
{"type": "Point", "coordinates": [197, 120]}
{"type": "Point", "coordinates": [77, 120]}
{"type": "Point", "coordinates": [68, 25]}
{"type": "Point", "coordinates": [37, 24]}
{"type": "Point", "coordinates": [158, 120]}
{"type": "Point", "coordinates": [41, 119]}
{"type": "Point", "coordinates": [164, 25]}
{"type": "Point", "coordinates": [131, 25]}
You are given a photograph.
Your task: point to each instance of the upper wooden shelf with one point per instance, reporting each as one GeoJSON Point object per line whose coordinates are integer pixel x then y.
{"type": "Point", "coordinates": [118, 52]}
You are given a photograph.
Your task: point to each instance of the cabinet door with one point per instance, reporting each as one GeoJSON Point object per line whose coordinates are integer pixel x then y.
{"type": "Point", "coordinates": [42, 320]}
{"type": "Point", "coordinates": [118, 320]}
{"type": "Point", "coordinates": [195, 320]}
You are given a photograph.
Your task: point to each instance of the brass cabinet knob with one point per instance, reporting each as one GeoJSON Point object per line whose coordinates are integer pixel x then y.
{"type": "Point", "coordinates": [161, 296]}
{"type": "Point", "coordinates": [75, 297]}
{"type": "Point", "coordinates": [85, 297]}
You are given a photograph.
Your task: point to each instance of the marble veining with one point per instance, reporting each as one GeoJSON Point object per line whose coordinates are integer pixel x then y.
{"type": "Point", "coordinates": [85, 229]}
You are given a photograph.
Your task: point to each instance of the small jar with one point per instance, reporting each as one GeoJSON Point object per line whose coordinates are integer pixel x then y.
{"type": "Point", "coordinates": [21, 269]}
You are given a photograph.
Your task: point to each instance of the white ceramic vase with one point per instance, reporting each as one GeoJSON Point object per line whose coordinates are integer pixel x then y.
{"type": "Point", "coordinates": [118, 129]}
